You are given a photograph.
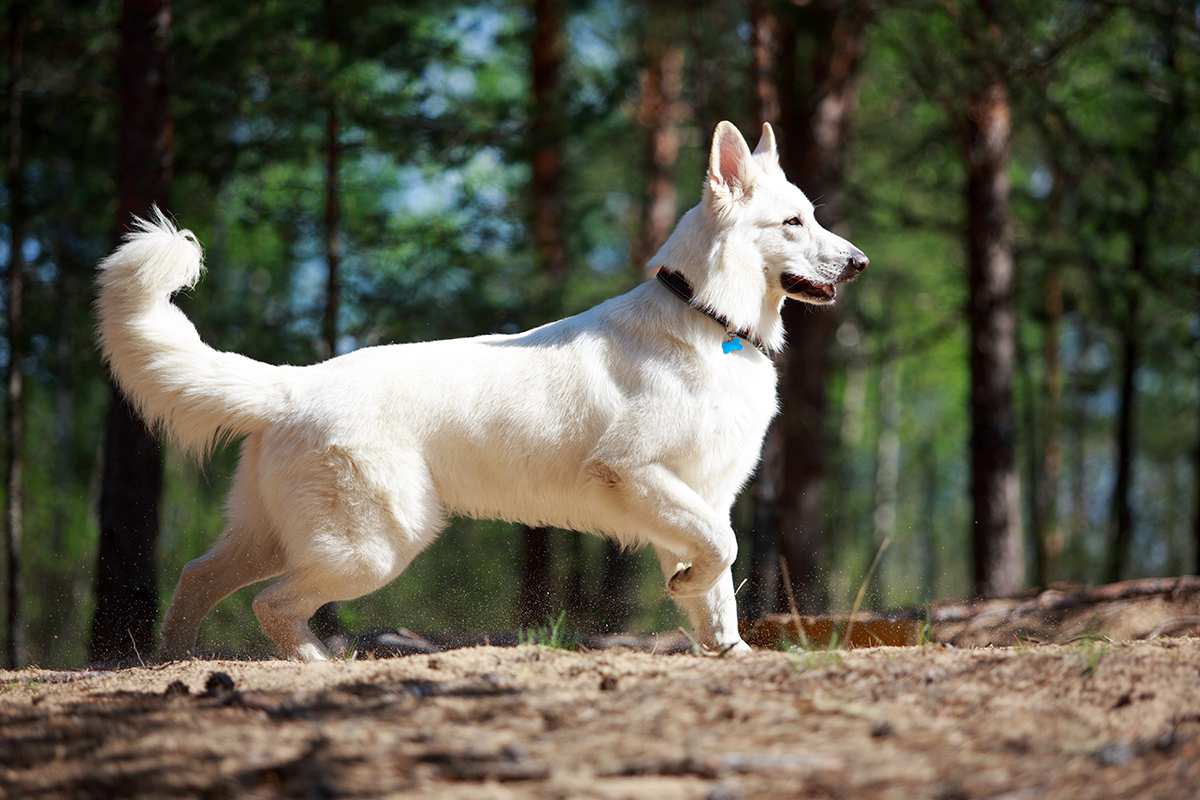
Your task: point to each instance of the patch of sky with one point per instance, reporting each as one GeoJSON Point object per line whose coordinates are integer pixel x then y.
{"type": "Point", "coordinates": [590, 45]}
{"type": "Point", "coordinates": [477, 29]}
{"type": "Point", "coordinates": [421, 193]}
{"type": "Point", "coordinates": [1041, 182]}
{"type": "Point", "coordinates": [446, 84]}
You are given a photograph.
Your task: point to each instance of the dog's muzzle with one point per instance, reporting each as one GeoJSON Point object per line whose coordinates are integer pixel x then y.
{"type": "Point", "coordinates": [811, 291]}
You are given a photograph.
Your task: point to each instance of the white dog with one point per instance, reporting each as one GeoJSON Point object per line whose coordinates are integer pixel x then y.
{"type": "Point", "coordinates": [639, 419]}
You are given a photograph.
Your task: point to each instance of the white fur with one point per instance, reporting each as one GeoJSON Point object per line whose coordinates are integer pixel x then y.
{"type": "Point", "coordinates": [626, 420]}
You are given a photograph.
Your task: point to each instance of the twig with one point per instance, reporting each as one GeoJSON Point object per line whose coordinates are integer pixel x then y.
{"type": "Point", "coordinates": [690, 638]}
{"type": "Point", "coordinates": [135, 650]}
{"type": "Point", "coordinates": [791, 598]}
{"type": "Point", "coordinates": [862, 587]}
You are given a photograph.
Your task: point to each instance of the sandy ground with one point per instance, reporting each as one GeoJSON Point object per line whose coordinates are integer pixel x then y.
{"type": "Point", "coordinates": [1088, 720]}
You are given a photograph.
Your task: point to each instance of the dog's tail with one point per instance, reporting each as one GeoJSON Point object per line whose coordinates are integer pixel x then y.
{"type": "Point", "coordinates": [196, 394]}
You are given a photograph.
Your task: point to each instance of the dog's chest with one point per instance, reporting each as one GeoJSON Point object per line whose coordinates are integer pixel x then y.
{"type": "Point", "coordinates": [731, 410]}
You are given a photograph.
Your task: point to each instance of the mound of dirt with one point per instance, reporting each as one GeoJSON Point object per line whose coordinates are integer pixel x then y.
{"type": "Point", "coordinates": [1090, 720]}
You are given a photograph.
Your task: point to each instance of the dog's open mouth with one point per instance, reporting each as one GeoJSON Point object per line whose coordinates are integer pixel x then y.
{"type": "Point", "coordinates": [806, 289]}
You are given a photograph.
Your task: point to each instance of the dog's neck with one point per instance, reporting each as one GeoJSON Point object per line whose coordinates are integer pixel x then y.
{"type": "Point", "coordinates": [725, 275]}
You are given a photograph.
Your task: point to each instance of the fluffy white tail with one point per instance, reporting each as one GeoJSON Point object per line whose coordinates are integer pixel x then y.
{"type": "Point", "coordinates": [198, 395]}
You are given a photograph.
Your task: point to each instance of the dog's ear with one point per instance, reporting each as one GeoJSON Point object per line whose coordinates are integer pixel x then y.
{"type": "Point", "coordinates": [766, 152]}
{"type": "Point", "coordinates": [731, 169]}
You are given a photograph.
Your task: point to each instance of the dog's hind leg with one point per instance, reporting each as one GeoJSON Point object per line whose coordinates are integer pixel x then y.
{"type": "Point", "coordinates": [246, 553]}
{"type": "Point", "coordinates": [714, 614]}
{"type": "Point", "coordinates": [241, 557]}
{"type": "Point", "coordinates": [284, 608]}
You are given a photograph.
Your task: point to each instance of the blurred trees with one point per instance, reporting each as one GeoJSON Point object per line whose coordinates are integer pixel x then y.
{"type": "Point", "coordinates": [481, 179]}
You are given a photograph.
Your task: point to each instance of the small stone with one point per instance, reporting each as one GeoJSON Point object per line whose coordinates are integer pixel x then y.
{"type": "Point", "coordinates": [608, 683]}
{"type": "Point", "coordinates": [882, 729]}
{"type": "Point", "coordinates": [219, 684]}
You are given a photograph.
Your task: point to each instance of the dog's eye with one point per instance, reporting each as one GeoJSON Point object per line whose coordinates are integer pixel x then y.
{"type": "Point", "coordinates": [793, 221]}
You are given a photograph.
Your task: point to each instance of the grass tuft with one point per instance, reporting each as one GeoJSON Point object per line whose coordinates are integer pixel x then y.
{"type": "Point", "coordinates": [555, 634]}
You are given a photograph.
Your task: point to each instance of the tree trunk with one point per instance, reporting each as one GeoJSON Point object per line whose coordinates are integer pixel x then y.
{"type": "Point", "coordinates": [14, 405]}
{"type": "Point", "coordinates": [765, 586]}
{"type": "Point", "coordinates": [1033, 463]}
{"type": "Point", "coordinates": [1050, 477]}
{"type": "Point", "coordinates": [814, 135]}
{"type": "Point", "coordinates": [999, 561]}
{"type": "Point", "coordinates": [1196, 501]}
{"type": "Point", "coordinates": [1159, 158]}
{"type": "Point", "coordinates": [131, 481]}
{"type": "Point", "coordinates": [659, 112]}
{"type": "Point", "coordinates": [547, 52]}
{"type": "Point", "coordinates": [929, 559]}
{"type": "Point", "coordinates": [325, 623]}
{"type": "Point", "coordinates": [887, 469]}
{"type": "Point", "coordinates": [1075, 560]}
{"type": "Point", "coordinates": [1122, 506]}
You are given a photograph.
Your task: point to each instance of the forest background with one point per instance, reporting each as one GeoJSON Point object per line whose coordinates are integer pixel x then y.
{"type": "Point", "coordinates": [1008, 399]}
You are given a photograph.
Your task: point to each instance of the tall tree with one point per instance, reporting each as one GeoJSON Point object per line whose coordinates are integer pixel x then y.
{"type": "Point", "coordinates": [547, 53]}
{"type": "Point", "coordinates": [1196, 501]}
{"type": "Point", "coordinates": [1157, 159]}
{"type": "Point", "coordinates": [14, 399]}
{"type": "Point", "coordinates": [813, 118]}
{"type": "Point", "coordinates": [999, 561]}
{"type": "Point", "coordinates": [132, 476]}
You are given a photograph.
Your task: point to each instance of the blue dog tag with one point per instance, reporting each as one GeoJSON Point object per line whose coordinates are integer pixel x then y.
{"type": "Point", "coordinates": [730, 345]}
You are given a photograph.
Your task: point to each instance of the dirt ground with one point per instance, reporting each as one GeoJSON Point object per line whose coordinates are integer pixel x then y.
{"type": "Point", "coordinates": [1088, 720]}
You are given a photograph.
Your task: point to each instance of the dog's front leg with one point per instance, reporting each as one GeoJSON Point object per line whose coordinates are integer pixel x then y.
{"type": "Point", "coordinates": [713, 615]}
{"type": "Point", "coordinates": [673, 516]}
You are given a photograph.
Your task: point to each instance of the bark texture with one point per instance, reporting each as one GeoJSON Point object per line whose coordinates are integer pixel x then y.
{"type": "Point", "coordinates": [131, 481]}
{"type": "Point", "coordinates": [999, 561]}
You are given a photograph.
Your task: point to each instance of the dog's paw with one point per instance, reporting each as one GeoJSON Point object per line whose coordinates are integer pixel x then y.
{"type": "Point", "coordinates": [738, 648]}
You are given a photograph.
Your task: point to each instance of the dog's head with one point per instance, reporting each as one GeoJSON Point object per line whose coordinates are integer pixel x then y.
{"type": "Point", "coordinates": [748, 194]}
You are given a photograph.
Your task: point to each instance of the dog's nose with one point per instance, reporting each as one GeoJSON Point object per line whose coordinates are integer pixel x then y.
{"type": "Point", "coordinates": [858, 262]}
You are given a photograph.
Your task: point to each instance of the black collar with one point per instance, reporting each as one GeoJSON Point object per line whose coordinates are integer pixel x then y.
{"type": "Point", "coordinates": [680, 287]}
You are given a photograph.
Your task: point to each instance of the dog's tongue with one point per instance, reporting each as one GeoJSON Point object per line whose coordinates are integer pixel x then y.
{"type": "Point", "coordinates": [795, 284]}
